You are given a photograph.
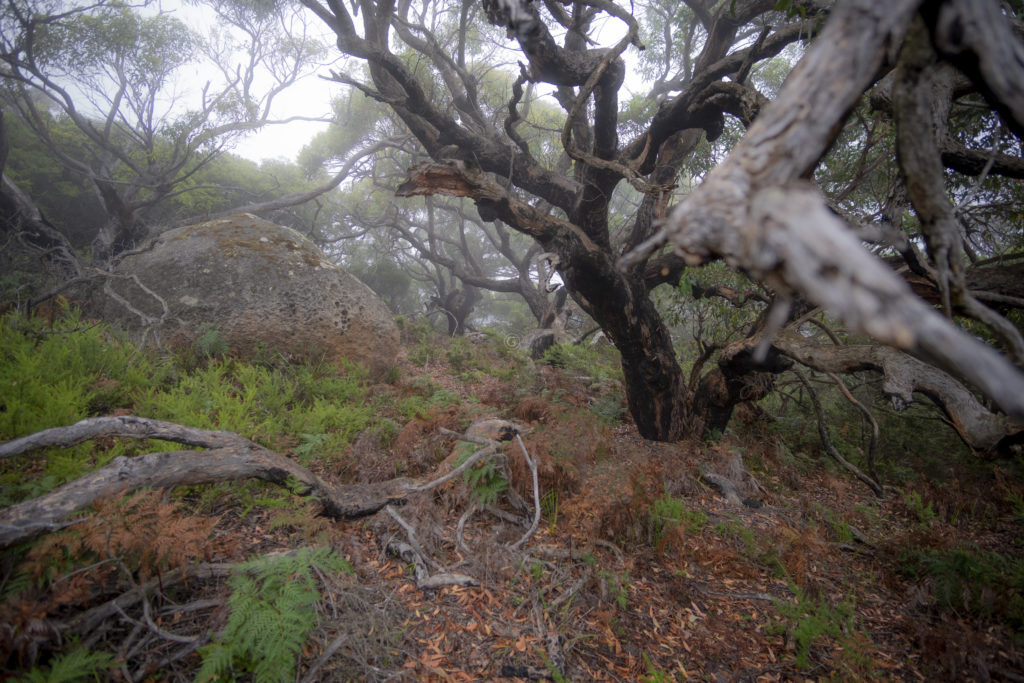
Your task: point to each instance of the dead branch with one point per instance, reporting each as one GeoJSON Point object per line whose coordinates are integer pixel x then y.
{"type": "Point", "coordinates": [126, 426]}
{"type": "Point", "coordinates": [149, 624]}
{"type": "Point", "coordinates": [412, 551]}
{"type": "Point", "coordinates": [873, 445]}
{"type": "Point", "coordinates": [826, 441]}
{"type": "Point", "coordinates": [902, 376]}
{"type": "Point", "coordinates": [414, 546]}
{"type": "Point", "coordinates": [424, 580]}
{"type": "Point", "coordinates": [460, 529]}
{"type": "Point", "coordinates": [335, 645]}
{"type": "Point", "coordinates": [88, 623]}
{"type": "Point", "coordinates": [536, 496]}
{"type": "Point", "coordinates": [230, 457]}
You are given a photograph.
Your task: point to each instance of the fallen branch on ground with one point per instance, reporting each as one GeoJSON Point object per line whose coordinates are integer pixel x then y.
{"type": "Point", "coordinates": [230, 457]}
{"type": "Point", "coordinates": [94, 623]}
{"type": "Point", "coordinates": [412, 551]}
{"type": "Point", "coordinates": [424, 579]}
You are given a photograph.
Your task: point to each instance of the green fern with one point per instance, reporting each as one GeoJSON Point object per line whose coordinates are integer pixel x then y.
{"type": "Point", "coordinates": [484, 479]}
{"type": "Point", "coordinates": [50, 376]}
{"type": "Point", "coordinates": [312, 445]}
{"type": "Point", "coordinates": [273, 609]}
{"type": "Point", "coordinates": [78, 664]}
{"type": "Point", "coordinates": [811, 618]}
{"type": "Point", "coordinates": [210, 341]}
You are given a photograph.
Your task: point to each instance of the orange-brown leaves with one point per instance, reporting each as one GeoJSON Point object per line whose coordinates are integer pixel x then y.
{"type": "Point", "coordinates": [141, 532]}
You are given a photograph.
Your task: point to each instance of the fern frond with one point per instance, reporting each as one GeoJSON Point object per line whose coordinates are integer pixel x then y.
{"type": "Point", "coordinates": [216, 665]}
{"type": "Point", "coordinates": [273, 609]}
{"type": "Point", "coordinates": [76, 665]}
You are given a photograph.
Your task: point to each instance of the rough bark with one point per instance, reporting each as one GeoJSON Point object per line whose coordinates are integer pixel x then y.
{"type": "Point", "coordinates": [979, 39]}
{"type": "Point", "coordinates": [738, 377]}
{"type": "Point", "coordinates": [751, 211]}
{"type": "Point", "coordinates": [655, 386]}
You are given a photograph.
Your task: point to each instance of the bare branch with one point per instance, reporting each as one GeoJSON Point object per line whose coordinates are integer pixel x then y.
{"type": "Point", "coordinates": [826, 441]}
{"type": "Point", "coordinates": [902, 376]}
{"type": "Point", "coordinates": [873, 444]}
{"type": "Point", "coordinates": [748, 211]}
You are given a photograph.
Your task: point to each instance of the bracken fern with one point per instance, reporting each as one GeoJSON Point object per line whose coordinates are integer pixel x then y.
{"type": "Point", "coordinates": [273, 609]}
{"type": "Point", "coordinates": [78, 664]}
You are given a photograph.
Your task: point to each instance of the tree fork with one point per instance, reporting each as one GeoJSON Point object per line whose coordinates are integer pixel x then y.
{"type": "Point", "coordinates": [656, 389]}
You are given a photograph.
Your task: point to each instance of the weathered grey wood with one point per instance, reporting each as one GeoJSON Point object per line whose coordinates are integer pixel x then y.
{"type": "Point", "coordinates": [982, 37]}
{"type": "Point", "coordinates": [122, 426]}
{"type": "Point", "coordinates": [232, 458]}
{"type": "Point", "coordinates": [752, 211]}
{"type": "Point", "coordinates": [902, 375]}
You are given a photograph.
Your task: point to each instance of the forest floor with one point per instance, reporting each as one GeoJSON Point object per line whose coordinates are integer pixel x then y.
{"type": "Point", "coordinates": [638, 571]}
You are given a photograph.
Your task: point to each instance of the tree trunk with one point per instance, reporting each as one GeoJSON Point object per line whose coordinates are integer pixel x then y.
{"type": "Point", "coordinates": [656, 390]}
{"type": "Point", "coordinates": [655, 387]}
{"type": "Point", "coordinates": [739, 377]}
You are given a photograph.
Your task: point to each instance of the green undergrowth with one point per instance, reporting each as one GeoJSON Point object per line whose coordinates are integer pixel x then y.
{"type": "Point", "coordinates": [669, 513]}
{"type": "Point", "coordinates": [485, 479]}
{"type": "Point", "coordinates": [77, 664]}
{"type": "Point", "coordinates": [52, 375]}
{"type": "Point", "coordinates": [600, 364]}
{"type": "Point", "coordinates": [57, 374]}
{"type": "Point", "coordinates": [323, 407]}
{"type": "Point", "coordinates": [912, 443]}
{"type": "Point", "coordinates": [272, 611]}
{"type": "Point", "coordinates": [964, 580]}
{"type": "Point", "coordinates": [810, 619]}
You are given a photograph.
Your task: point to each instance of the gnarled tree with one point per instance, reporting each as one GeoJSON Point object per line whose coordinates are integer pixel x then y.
{"type": "Point", "coordinates": [752, 210]}
{"type": "Point", "coordinates": [115, 78]}
{"type": "Point", "coordinates": [441, 242]}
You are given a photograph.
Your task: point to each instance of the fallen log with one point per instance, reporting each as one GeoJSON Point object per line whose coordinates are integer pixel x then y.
{"type": "Point", "coordinates": [229, 457]}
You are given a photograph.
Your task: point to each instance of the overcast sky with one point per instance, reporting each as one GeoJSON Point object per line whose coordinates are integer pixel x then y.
{"type": "Point", "coordinates": [285, 141]}
{"type": "Point", "coordinates": [309, 97]}
{"type": "Point", "coordinates": [312, 96]}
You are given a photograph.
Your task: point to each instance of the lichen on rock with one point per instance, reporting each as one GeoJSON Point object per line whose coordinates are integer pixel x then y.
{"type": "Point", "coordinates": [260, 285]}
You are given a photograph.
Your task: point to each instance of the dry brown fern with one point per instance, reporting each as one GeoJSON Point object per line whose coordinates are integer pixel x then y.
{"type": "Point", "coordinates": [141, 532]}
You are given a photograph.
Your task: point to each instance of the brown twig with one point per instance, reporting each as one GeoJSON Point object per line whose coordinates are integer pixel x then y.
{"type": "Point", "coordinates": [875, 431]}
{"type": "Point", "coordinates": [826, 441]}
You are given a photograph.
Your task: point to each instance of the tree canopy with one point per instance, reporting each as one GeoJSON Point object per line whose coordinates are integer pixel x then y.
{"type": "Point", "coordinates": [860, 164]}
{"type": "Point", "coordinates": [110, 92]}
{"type": "Point", "coordinates": [624, 131]}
